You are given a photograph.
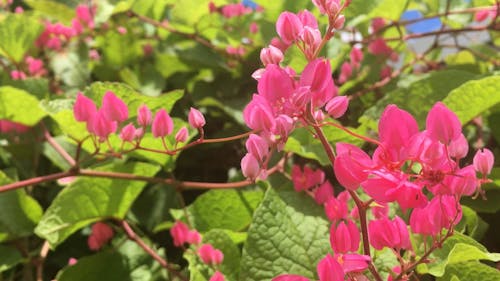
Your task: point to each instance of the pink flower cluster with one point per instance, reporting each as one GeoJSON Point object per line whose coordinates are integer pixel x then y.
{"type": "Point", "coordinates": [35, 69]}
{"type": "Point", "coordinates": [56, 35]}
{"type": "Point", "coordinates": [346, 70]}
{"type": "Point", "coordinates": [285, 99]}
{"type": "Point", "coordinates": [181, 234]}
{"type": "Point", "coordinates": [231, 10]}
{"type": "Point", "coordinates": [101, 234]}
{"type": "Point", "coordinates": [105, 121]}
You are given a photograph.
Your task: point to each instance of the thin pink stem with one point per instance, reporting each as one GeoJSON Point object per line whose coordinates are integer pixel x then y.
{"type": "Point", "coordinates": [36, 180]}
{"type": "Point", "coordinates": [57, 147]}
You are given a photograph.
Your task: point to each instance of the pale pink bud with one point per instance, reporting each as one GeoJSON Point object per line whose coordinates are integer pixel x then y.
{"type": "Point", "coordinates": [377, 24]}
{"type": "Point", "coordinates": [84, 108]}
{"type": "Point", "coordinates": [114, 108]}
{"type": "Point", "coordinates": [122, 30]}
{"type": "Point", "coordinates": [101, 234]}
{"type": "Point", "coordinates": [144, 116]}
{"type": "Point", "coordinates": [162, 124]}
{"type": "Point", "coordinates": [217, 277]}
{"type": "Point", "coordinates": [278, 43]}
{"type": "Point", "coordinates": [379, 47]}
{"type": "Point", "coordinates": [209, 255]}
{"type": "Point", "coordinates": [283, 126]}
{"type": "Point", "coordinates": [250, 166]}
{"type": "Point", "coordinates": [94, 55]}
{"type": "Point", "coordinates": [459, 147]}
{"type": "Point", "coordinates": [128, 133]}
{"type": "Point", "coordinates": [181, 135]}
{"type": "Point", "coordinates": [257, 146]}
{"type": "Point", "coordinates": [19, 10]}
{"type": "Point", "coordinates": [254, 27]}
{"type": "Point", "coordinates": [288, 27]}
{"type": "Point", "coordinates": [311, 37]}
{"type": "Point", "coordinates": [339, 22]}
{"type": "Point", "coordinates": [483, 161]}
{"type": "Point", "coordinates": [196, 118]}
{"type": "Point", "coordinates": [308, 19]}
{"type": "Point", "coordinates": [337, 106]}
{"type": "Point", "coordinates": [345, 72]}
{"type": "Point", "coordinates": [271, 55]}
{"type": "Point", "coordinates": [442, 124]}
{"type": "Point", "coordinates": [139, 133]}
{"type": "Point", "coordinates": [356, 56]}
{"type": "Point", "coordinates": [17, 75]}
{"type": "Point", "coordinates": [72, 261]}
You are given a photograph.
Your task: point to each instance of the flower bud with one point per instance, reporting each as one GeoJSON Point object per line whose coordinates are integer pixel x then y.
{"type": "Point", "coordinates": [257, 146]}
{"type": "Point", "coordinates": [217, 277]}
{"type": "Point", "coordinates": [101, 234]}
{"type": "Point", "coordinates": [114, 108]}
{"type": "Point", "coordinates": [442, 124]}
{"type": "Point", "coordinates": [337, 106]}
{"type": "Point", "coordinates": [209, 255]}
{"type": "Point", "coordinates": [483, 161]}
{"type": "Point", "coordinates": [271, 55]}
{"type": "Point", "coordinates": [162, 124]}
{"type": "Point", "coordinates": [339, 22]}
{"type": "Point", "coordinates": [459, 147]}
{"type": "Point", "coordinates": [288, 27]}
{"type": "Point", "coordinates": [144, 116]}
{"type": "Point", "coordinates": [250, 166]}
{"type": "Point", "coordinates": [181, 135]}
{"type": "Point", "coordinates": [84, 108]}
{"type": "Point", "coordinates": [128, 133]}
{"type": "Point", "coordinates": [344, 238]}
{"type": "Point", "coordinates": [196, 119]}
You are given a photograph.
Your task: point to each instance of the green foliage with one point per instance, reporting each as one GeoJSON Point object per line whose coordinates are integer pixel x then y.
{"type": "Point", "coordinates": [92, 199]}
{"type": "Point", "coordinates": [470, 270]}
{"type": "Point", "coordinates": [289, 234]}
{"type": "Point", "coordinates": [223, 209]}
{"type": "Point", "coordinates": [53, 9]}
{"type": "Point", "coordinates": [9, 258]}
{"type": "Point", "coordinates": [19, 33]}
{"type": "Point", "coordinates": [19, 213]}
{"type": "Point", "coordinates": [14, 104]}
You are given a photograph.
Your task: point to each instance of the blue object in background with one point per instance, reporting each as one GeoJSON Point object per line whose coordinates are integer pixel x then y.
{"type": "Point", "coordinates": [421, 26]}
{"type": "Point", "coordinates": [250, 4]}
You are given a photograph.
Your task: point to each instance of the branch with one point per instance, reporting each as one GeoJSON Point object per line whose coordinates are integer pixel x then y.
{"type": "Point", "coordinates": [133, 236]}
{"type": "Point", "coordinates": [37, 180]}
{"type": "Point", "coordinates": [57, 147]}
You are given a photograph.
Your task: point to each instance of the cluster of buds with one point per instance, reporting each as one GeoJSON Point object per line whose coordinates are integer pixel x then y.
{"type": "Point", "coordinates": [181, 234]}
{"type": "Point", "coordinates": [56, 35]}
{"type": "Point", "coordinates": [106, 120]}
{"type": "Point", "coordinates": [34, 66]}
{"type": "Point", "coordinates": [100, 235]}
{"type": "Point", "coordinates": [347, 68]}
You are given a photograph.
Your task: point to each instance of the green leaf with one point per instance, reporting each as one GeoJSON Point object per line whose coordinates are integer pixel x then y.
{"type": "Point", "coordinates": [15, 103]}
{"type": "Point", "coordinates": [92, 199]}
{"type": "Point", "coordinates": [154, 9]}
{"type": "Point", "coordinates": [9, 258]}
{"type": "Point", "coordinates": [109, 266]}
{"type": "Point", "coordinates": [457, 249]}
{"type": "Point", "coordinates": [118, 49]}
{"type": "Point", "coordinates": [385, 261]}
{"type": "Point", "coordinates": [474, 97]}
{"type": "Point", "coordinates": [471, 270]}
{"type": "Point", "coordinates": [19, 33]}
{"type": "Point", "coordinates": [19, 212]}
{"type": "Point", "coordinates": [220, 240]}
{"type": "Point", "coordinates": [55, 10]}
{"type": "Point", "coordinates": [472, 223]}
{"type": "Point", "coordinates": [388, 9]}
{"type": "Point", "coordinates": [288, 234]}
{"type": "Point", "coordinates": [224, 209]}
{"type": "Point", "coordinates": [71, 67]}
{"type": "Point", "coordinates": [419, 96]}
{"type": "Point", "coordinates": [303, 143]}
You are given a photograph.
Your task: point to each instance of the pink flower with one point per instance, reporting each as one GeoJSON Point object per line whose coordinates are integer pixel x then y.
{"type": "Point", "coordinates": [379, 47]}
{"type": "Point", "coordinates": [258, 147]}
{"type": "Point", "coordinates": [485, 14]}
{"type": "Point", "coordinates": [459, 147]}
{"type": "Point", "coordinates": [162, 124]}
{"type": "Point", "coordinates": [337, 106]}
{"type": "Point", "coordinates": [218, 276]}
{"type": "Point", "coordinates": [323, 193]}
{"type": "Point", "coordinates": [289, 27]}
{"type": "Point", "coordinates": [7, 126]}
{"type": "Point", "coordinates": [336, 209]}
{"type": "Point", "coordinates": [275, 84]}
{"type": "Point", "coordinates": [389, 233]}
{"type": "Point", "coordinates": [182, 135]}
{"type": "Point", "coordinates": [17, 75]}
{"type": "Point", "coordinates": [122, 30]}
{"type": "Point", "coordinates": [308, 19]}
{"type": "Point", "coordinates": [329, 269]}
{"type": "Point", "coordinates": [396, 127]}
{"type": "Point", "coordinates": [441, 212]}
{"type": "Point", "coordinates": [144, 116]}
{"type": "Point", "coordinates": [84, 108]}
{"type": "Point", "coordinates": [351, 165]}
{"type": "Point", "coordinates": [317, 75]}
{"type": "Point", "coordinates": [254, 28]}
{"type": "Point", "coordinates": [196, 118]}
{"type": "Point", "coordinates": [352, 263]}
{"type": "Point", "coordinates": [303, 180]}
{"type": "Point", "coordinates": [442, 124]}
{"type": "Point", "coordinates": [271, 55]}
{"type": "Point", "coordinates": [345, 72]}
{"type": "Point", "coordinates": [114, 108]}
{"type": "Point", "coordinates": [84, 14]}
{"type": "Point", "coordinates": [356, 57]}
{"type": "Point", "coordinates": [483, 161]}
{"type": "Point", "coordinates": [344, 238]}
{"type": "Point", "coordinates": [250, 166]}
{"type": "Point", "coordinates": [377, 24]}
{"type": "Point", "coordinates": [258, 114]}
{"type": "Point", "coordinates": [35, 66]}
{"type": "Point", "coordinates": [72, 261]}
{"type": "Point", "coordinates": [128, 133]}
{"type": "Point", "coordinates": [101, 234]}
{"type": "Point", "coordinates": [209, 255]}
{"type": "Point", "coordinates": [181, 234]}
{"type": "Point", "coordinates": [290, 277]}
{"type": "Point", "coordinates": [329, 7]}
